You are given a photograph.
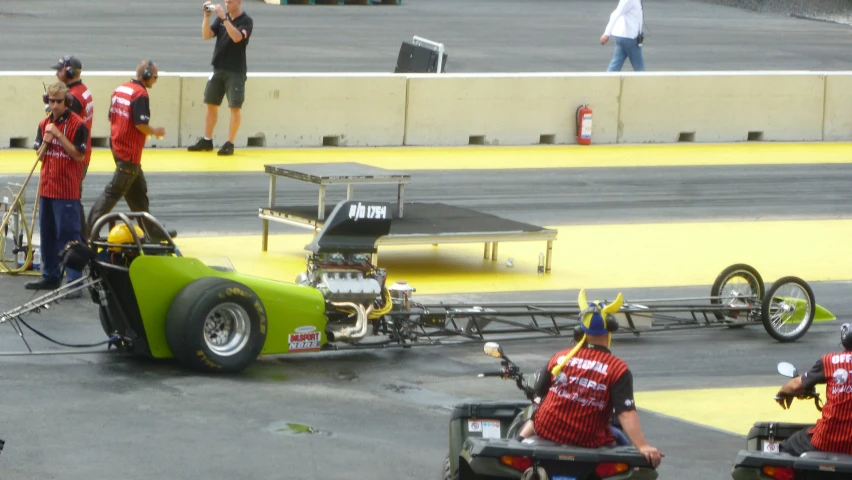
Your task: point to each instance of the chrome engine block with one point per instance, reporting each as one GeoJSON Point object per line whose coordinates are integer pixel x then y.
{"type": "Point", "coordinates": [343, 278]}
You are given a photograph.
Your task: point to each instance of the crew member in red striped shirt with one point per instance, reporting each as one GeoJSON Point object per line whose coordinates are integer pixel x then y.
{"type": "Point", "coordinates": [581, 387]}
{"type": "Point", "coordinates": [833, 431]}
{"type": "Point", "coordinates": [59, 184]}
{"type": "Point", "coordinates": [129, 115]}
{"type": "Point", "coordinates": [68, 71]}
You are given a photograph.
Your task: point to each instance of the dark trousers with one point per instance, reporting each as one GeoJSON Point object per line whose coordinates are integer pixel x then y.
{"type": "Point", "coordinates": [798, 443]}
{"type": "Point", "coordinates": [59, 223]}
{"type": "Point", "coordinates": [127, 182]}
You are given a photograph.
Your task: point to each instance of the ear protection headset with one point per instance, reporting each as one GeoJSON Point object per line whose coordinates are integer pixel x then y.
{"type": "Point", "coordinates": [148, 72]}
{"type": "Point", "coordinates": [67, 99]}
{"type": "Point", "coordinates": [846, 335]}
{"type": "Point", "coordinates": [70, 70]}
{"type": "Point", "coordinates": [611, 324]}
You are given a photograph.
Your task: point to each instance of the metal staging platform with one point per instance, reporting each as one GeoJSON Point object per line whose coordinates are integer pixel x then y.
{"type": "Point", "coordinates": [413, 223]}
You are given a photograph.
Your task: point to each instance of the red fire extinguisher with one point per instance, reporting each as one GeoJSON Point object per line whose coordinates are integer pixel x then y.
{"type": "Point", "coordinates": [584, 125]}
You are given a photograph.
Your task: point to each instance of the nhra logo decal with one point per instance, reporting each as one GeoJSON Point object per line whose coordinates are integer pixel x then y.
{"type": "Point", "coordinates": [300, 342]}
{"type": "Point", "coordinates": [357, 212]}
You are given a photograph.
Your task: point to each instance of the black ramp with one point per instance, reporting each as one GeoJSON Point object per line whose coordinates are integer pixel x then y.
{"type": "Point", "coordinates": [430, 219]}
{"type": "Point", "coordinates": [438, 218]}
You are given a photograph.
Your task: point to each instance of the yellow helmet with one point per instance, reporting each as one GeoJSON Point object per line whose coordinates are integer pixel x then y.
{"type": "Point", "coordinates": [121, 234]}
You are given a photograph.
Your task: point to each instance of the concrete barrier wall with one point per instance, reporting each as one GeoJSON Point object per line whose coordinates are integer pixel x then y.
{"type": "Point", "coordinates": [22, 94]}
{"type": "Point", "coordinates": [508, 109]}
{"type": "Point", "coordinates": [837, 124]}
{"type": "Point", "coordinates": [359, 110]}
{"type": "Point", "coordinates": [305, 110]}
{"type": "Point", "coordinates": [716, 107]}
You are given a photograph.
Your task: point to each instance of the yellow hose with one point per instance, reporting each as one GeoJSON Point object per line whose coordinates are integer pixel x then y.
{"type": "Point", "coordinates": [384, 310]}
{"type": "Point", "coordinates": [19, 204]}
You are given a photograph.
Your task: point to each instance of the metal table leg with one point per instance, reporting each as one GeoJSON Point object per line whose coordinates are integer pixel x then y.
{"type": "Point", "coordinates": [321, 211]}
{"type": "Point", "coordinates": [265, 235]}
{"type": "Point", "coordinates": [400, 192]}
{"type": "Point", "coordinates": [548, 257]}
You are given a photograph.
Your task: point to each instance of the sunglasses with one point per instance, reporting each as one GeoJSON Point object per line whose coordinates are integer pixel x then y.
{"type": "Point", "coordinates": [55, 100]}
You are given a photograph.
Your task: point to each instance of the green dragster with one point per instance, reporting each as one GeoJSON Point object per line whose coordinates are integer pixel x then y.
{"type": "Point", "coordinates": [155, 302]}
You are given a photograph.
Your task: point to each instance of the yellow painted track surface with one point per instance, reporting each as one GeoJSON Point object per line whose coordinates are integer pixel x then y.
{"type": "Point", "coordinates": [647, 255]}
{"type": "Point", "coordinates": [733, 410]}
{"type": "Point", "coordinates": [476, 157]}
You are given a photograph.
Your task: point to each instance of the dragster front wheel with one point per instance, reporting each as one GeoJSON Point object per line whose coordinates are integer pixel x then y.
{"type": "Point", "coordinates": [216, 325]}
{"type": "Point", "coordinates": [788, 309]}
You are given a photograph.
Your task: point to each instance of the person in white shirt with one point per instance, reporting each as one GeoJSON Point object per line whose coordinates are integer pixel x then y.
{"type": "Point", "coordinates": [625, 24]}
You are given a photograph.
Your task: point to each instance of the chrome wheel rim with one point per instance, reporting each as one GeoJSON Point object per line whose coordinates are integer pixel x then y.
{"type": "Point", "coordinates": [790, 310]}
{"type": "Point", "coordinates": [226, 329]}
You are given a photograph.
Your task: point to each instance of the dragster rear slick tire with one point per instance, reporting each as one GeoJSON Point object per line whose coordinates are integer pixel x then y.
{"type": "Point", "coordinates": [199, 315]}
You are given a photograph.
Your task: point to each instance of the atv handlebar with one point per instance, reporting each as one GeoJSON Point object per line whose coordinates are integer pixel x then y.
{"type": "Point", "coordinates": [806, 395]}
{"type": "Point", "coordinates": [511, 371]}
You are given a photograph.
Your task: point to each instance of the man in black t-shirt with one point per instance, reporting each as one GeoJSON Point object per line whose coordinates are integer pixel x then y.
{"type": "Point", "coordinates": [231, 29]}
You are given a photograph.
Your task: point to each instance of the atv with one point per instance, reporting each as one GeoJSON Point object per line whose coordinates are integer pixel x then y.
{"type": "Point", "coordinates": [485, 442]}
{"type": "Point", "coordinates": [763, 458]}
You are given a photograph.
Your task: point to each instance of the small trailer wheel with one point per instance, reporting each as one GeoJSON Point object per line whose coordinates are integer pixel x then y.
{"type": "Point", "coordinates": [788, 309]}
{"type": "Point", "coordinates": [728, 291]}
{"type": "Point", "coordinates": [216, 325]}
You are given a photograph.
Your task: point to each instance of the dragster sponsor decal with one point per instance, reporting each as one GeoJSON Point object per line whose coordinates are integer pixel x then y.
{"type": "Point", "coordinates": [306, 329]}
{"type": "Point", "coordinates": [301, 342]}
{"type": "Point", "coordinates": [369, 212]}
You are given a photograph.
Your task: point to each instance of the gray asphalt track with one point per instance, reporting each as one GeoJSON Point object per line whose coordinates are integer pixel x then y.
{"type": "Point", "coordinates": [385, 412]}
{"type": "Point", "coordinates": [480, 36]}
{"type": "Point", "coordinates": [71, 417]}
{"type": "Point", "coordinates": [381, 413]}
{"type": "Point", "coordinates": [227, 203]}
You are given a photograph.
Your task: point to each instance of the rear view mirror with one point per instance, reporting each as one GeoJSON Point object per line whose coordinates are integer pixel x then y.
{"type": "Point", "coordinates": [788, 370]}
{"type": "Point", "coordinates": [492, 349]}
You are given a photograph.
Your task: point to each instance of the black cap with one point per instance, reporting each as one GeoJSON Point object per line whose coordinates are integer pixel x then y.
{"type": "Point", "coordinates": [68, 61]}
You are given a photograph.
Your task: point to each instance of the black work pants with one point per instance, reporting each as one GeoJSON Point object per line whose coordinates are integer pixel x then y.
{"type": "Point", "coordinates": [127, 182]}
{"type": "Point", "coordinates": [798, 443]}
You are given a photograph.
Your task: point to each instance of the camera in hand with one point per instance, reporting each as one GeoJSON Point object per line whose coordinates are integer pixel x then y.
{"type": "Point", "coordinates": [210, 8]}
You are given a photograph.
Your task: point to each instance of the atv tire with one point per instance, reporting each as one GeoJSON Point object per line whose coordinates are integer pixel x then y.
{"type": "Point", "coordinates": [216, 325]}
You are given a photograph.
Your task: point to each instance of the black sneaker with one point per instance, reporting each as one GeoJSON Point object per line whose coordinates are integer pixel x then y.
{"type": "Point", "coordinates": [227, 149]}
{"type": "Point", "coordinates": [43, 284]}
{"type": "Point", "coordinates": [201, 145]}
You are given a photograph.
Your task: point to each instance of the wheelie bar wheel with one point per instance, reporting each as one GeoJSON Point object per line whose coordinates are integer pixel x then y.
{"type": "Point", "coordinates": [788, 309]}
{"type": "Point", "coordinates": [738, 285]}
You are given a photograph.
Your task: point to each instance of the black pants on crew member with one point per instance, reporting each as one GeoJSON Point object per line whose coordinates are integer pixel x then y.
{"type": "Point", "coordinates": [798, 443]}
{"type": "Point", "coordinates": [127, 182]}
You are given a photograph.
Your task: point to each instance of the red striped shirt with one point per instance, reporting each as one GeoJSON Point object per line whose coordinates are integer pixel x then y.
{"type": "Point", "coordinates": [577, 410]}
{"type": "Point", "coordinates": [61, 175]}
{"type": "Point", "coordinates": [87, 111]}
{"type": "Point", "coordinates": [833, 432]}
{"type": "Point", "coordinates": [127, 141]}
